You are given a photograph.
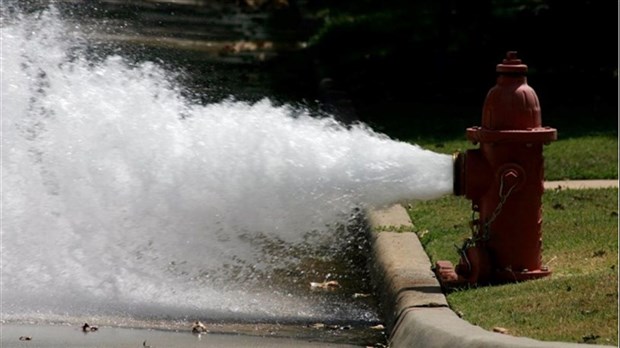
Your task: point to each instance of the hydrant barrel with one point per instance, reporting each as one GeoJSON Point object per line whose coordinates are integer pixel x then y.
{"type": "Point", "coordinates": [504, 179]}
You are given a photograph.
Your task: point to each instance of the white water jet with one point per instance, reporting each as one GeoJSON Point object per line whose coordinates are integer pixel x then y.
{"type": "Point", "coordinates": [120, 196]}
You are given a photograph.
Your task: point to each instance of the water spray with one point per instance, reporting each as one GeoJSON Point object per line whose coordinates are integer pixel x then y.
{"type": "Point", "coordinates": [120, 196]}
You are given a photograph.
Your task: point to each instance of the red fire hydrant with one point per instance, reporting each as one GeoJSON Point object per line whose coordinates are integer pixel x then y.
{"type": "Point", "coordinates": [504, 180]}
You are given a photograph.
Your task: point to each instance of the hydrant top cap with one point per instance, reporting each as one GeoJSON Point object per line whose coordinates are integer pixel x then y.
{"type": "Point", "coordinates": [511, 64]}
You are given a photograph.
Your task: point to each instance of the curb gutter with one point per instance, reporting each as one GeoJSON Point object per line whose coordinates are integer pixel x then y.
{"type": "Point", "coordinates": [415, 309]}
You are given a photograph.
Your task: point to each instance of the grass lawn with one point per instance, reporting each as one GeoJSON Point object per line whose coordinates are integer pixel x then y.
{"type": "Point", "coordinates": [578, 303]}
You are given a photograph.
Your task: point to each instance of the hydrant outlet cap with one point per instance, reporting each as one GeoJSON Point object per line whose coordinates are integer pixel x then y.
{"type": "Point", "coordinates": [511, 64]}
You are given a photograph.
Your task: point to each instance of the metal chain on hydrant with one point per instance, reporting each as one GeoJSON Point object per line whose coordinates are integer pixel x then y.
{"type": "Point", "coordinates": [502, 199]}
{"type": "Point", "coordinates": [486, 228]}
{"type": "Point", "coordinates": [469, 242]}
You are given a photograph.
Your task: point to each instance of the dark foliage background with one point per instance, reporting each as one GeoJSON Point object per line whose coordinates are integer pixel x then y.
{"type": "Point", "coordinates": [446, 50]}
{"type": "Point", "coordinates": [407, 68]}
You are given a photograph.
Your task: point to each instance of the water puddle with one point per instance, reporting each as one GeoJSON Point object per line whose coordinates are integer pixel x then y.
{"type": "Point", "coordinates": [65, 336]}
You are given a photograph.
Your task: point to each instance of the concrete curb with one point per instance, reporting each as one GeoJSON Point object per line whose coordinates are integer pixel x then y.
{"type": "Point", "coordinates": [416, 311]}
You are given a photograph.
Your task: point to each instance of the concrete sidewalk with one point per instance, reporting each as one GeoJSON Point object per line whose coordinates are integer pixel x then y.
{"type": "Point", "coordinates": [416, 311]}
{"type": "Point", "coordinates": [580, 184]}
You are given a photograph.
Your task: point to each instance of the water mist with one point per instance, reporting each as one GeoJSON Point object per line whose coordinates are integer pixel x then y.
{"type": "Point", "coordinates": [119, 196]}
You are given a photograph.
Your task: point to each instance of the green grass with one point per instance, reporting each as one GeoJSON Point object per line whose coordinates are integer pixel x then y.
{"type": "Point", "coordinates": [581, 308]}
{"type": "Point", "coordinates": [578, 303]}
{"type": "Point", "coordinates": [588, 157]}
